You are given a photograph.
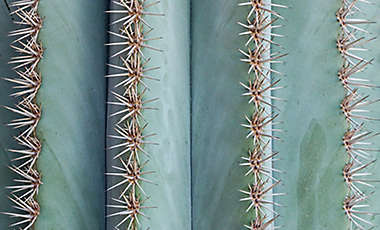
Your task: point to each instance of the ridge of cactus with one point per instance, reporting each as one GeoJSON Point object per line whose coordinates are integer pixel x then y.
{"type": "Point", "coordinates": [258, 87]}
{"type": "Point", "coordinates": [27, 84]}
{"type": "Point", "coordinates": [350, 41]}
{"type": "Point", "coordinates": [128, 167]}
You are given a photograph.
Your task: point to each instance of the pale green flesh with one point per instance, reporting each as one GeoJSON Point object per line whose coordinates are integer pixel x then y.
{"type": "Point", "coordinates": [6, 133]}
{"type": "Point", "coordinates": [171, 158]}
{"type": "Point", "coordinates": [72, 127]}
{"type": "Point", "coordinates": [312, 154]}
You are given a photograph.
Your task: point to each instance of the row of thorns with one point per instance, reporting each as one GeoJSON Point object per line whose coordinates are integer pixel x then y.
{"type": "Point", "coordinates": [350, 41]}
{"type": "Point", "coordinates": [27, 83]}
{"type": "Point", "coordinates": [259, 89]}
{"type": "Point", "coordinates": [260, 192]}
{"type": "Point", "coordinates": [131, 70]}
{"type": "Point", "coordinates": [129, 129]}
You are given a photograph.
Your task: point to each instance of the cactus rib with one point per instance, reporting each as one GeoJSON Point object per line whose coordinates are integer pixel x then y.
{"type": "Point", "coordinates": [133, 28]}
{"type": "Point", "coordinates": [257, 53]}
{"type": "Point", "coordinates": [30, 51]}
{"type": "Point", "coordinates": [351, 38]}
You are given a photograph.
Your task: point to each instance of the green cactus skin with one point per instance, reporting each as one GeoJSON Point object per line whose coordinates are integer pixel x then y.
{"type": "Point", "coordinates": [312, 155]}
{"type": "Point", "coordinates": [27, 82]}
{"type": "Point", "coordinates": [351, 42]}
{"type": "Point", "coordinates": [129, 29]}
{"type": "Point", "coordinates": [217, 176]}
{"type": "Point", "coordinates": [169, 160]}
{"type": "Point", "coordinates": [372, 73]}
{"type": "Point", "coordinates": [259, 86]}
{"type": "Point", "coordinates": [6, 134]}
{"type": "Point", "coordinates": [71, 129]}
{"type": "Point", "coordinates": [314, 179]}
{"type": "Point", "coordinates": [73, 97]}
{"type": "Point", "coordinates": [218, 109]}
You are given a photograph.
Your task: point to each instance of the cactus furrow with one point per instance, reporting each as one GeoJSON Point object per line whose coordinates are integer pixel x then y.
{"type": "Point", "coordinates": [350, 43]}
{"type": "Point", "coordinates": [259, 87]}
{"type": "Point", "coordinates": [133, 27]}
{"type": "Point", "coordinates": [28, 81]}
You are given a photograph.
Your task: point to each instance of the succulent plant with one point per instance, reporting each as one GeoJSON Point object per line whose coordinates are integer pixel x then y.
{"type": "Point", "coordinates": [202, 114]}
{"type": "Point", "coordinates": [129, 97]}
{"type": "Point", "coordinates": [311, 151]}
{"type": "Point", "coordinates": [28, 81]}
{"type": "Point", "coordinates": [357, 139]}
{"type": "Point", "coordinates": [72, 101]}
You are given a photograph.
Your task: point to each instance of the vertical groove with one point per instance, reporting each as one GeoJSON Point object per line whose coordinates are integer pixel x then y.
{"type": "Point", "coordinates": [191, 118]}
{"type": "Point", "coordinates": [107, 40]}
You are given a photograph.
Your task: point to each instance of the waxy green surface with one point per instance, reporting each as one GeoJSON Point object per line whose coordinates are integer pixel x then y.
{"type": "Point", "coordinates": [312, 152]}
{"type": "Point", "coordinates": [6, 133]}
{"type": "Point", "coordinates": [170, 159]}
{"type": "Point", "coordinates": [218, 140]}
{"type": "Point", "coordinates": [73, 104]}
{"type": "Point", "coordinates": [373, 74]}
{"type": "Point", "coordinates": [72, 98]}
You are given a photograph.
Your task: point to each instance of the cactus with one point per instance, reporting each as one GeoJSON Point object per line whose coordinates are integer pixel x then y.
{"type": "Point", "coordinates": [71, 99]}
{"type": "Point", "coordinates": [270, 123]}
{"type": "Point", "coordinates": [168, 188]}
{"type": "Point", "coordinates": [357, 139]}
{"type": "Point", "coordinates": [6, 133]}
{"type": "Point", "coordinates": [314, 154]}
{"type": "Point", "coordinates": [128, 166]}
{"type": "Point", "coordinates": [80, 188]}
{"type": "Point", "coordinates": [259, 88]}
{"type": "Point", "coordinates": [311, 152]}
{"type": "Point", "coordinates": [28, 81]}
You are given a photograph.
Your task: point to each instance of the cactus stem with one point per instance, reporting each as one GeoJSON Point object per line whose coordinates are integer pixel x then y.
{"type": "Point", "coordinates": [132, 209]}
{"type": "Point", "coordinates": [259, 224]}
{"type": "Point", "coordinates": [30, 209]}
{"type": "Point", "coordinates": [132, 174]}
{"type": "Point", "coordinates": [351, 40]}
{"type": "Point", "coordinates": [351, 205]}
{"type": "Point", "coordinates": [257, 54]}
{"type": "Point", "coordinates": [131, 42]}
{"type": "Point", "coordinates": [28, 83]}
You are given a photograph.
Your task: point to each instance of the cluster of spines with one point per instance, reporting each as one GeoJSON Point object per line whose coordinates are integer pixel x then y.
{"type": "Point", "coordinates": [350, 41]}
{"type": "Point", "coordinates": [131, 35]}
{"type": "Point", "coordinates": [258, 88]}
{"type": "Point", "coordinates": [29, 53]}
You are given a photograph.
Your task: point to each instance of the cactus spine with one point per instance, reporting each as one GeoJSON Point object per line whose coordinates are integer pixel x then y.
{"type": "Point", "coordinates": [352, 36]}
{"type": "Point", "coordinates": [28, 81]}
{"type": "Point", "coordinates": [132, 32]}
{"type": "Point", "coordinates": [257, 53]}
